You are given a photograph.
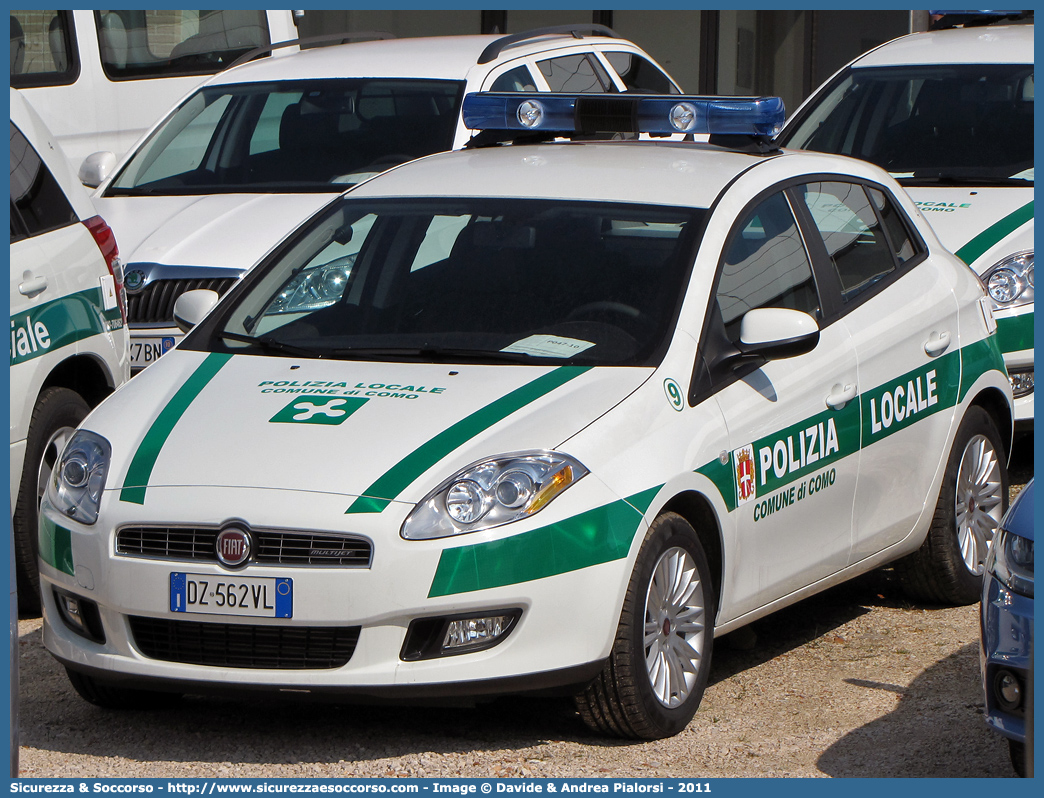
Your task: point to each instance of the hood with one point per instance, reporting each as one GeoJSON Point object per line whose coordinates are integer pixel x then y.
{"type": "Point", "coordinates": [225, 230]}
{"type": "Point", "coordinates": [389, 431]}
{"type": "Point", "coordinates": [980, 225]}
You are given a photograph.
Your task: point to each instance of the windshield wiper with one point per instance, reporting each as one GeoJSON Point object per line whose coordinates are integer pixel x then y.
{"type": "Point", "coordinates": [273, 345]}
{"type": "Point", "coordinates": [432, 354]}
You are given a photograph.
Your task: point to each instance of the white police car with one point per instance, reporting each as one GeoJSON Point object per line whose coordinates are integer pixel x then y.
{"type": "Point", "coordinates": [243, 161]}
{"type": "Point", "coordinates": [548, 415]}
{"type": "Point", "coordinates": [68, 335]}
{"type": "Point", "coordinates": [950, 115]}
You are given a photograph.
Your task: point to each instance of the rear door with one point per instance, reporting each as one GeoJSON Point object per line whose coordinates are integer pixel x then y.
{"type": "Point", "coordinates": [900, 310]}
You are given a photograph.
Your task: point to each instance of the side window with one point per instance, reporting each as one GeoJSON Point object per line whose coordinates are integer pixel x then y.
{"type": "Point", "coordinates": [903, 244]}
{"type": "Point", "coordinates": [852, 234]}
{"type": "Point", "coordinates": [160, 42]}
{"type": "Point", "coordinates": [577, 74]}
{"type": "Point", "coordinates": [35, 195]}
{"type": "Point", "coordinates": [639, 74]}
{"type": "Point", "coordinates": [517, 79]}
{"type": "Point", "coordinates": [765, 266]}
{"type": "Point", "coordinates": [42, 53]}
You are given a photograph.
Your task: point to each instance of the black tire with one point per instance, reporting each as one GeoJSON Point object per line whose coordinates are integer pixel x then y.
{"type": "Point", "coordinates": [111, 696]}
{"type": "Point", "coordinates": [1017, 753]}
{"type": "Point", "coordinates": [56, 415]}
{"type": "Point", "coordinates": [948, 567]}
{"type": "Point", "coordinates": [623, 700]}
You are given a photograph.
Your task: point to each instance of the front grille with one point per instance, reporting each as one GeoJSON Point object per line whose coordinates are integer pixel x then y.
{"type": "Point", "coordinates": [155, 304]}
{"type": "Point", "coordinates": [271, 546]}
{"type": "Point", "coordinates": [225, 645]}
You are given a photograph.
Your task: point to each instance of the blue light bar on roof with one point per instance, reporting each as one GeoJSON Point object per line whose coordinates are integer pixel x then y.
{"type": "Point", "coordinates": [624, 113]}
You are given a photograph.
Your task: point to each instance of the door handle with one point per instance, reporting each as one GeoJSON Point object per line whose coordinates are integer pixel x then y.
{"type": "Point", "coordinates": [32, 284]}
{"type": "Point", "coordinates": [937, 343]}
{"type": "Point", "coordinates": [841, 395]}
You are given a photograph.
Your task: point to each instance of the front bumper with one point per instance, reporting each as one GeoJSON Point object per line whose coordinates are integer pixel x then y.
{"type": "Point", "coordinates": [564, 631]}
{"type": "Point", "coordinates": [1006, 621]}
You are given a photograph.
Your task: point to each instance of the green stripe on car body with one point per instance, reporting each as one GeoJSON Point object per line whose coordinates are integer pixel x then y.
{"type": "Point", "coordinates": [148, 451]}
{"type": "Point", "coordinates": [597, 536]}
{"type": "Point", "coordinates": [977, 359]}
{"type": "Point", "coordinates": [993, 234]}
{"type": "Point", "coordinates": [1015, 332]}
{"type": "Point", "coordinates": [60, 322]}
{"type": "Point", "coordinates": [389, 485]}
{"type": "Point", "coordinates": [605, 533]}
{"type": "Point", "coordinates": [55, 545]}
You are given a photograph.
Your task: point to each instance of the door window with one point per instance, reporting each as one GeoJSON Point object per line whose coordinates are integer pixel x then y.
{"type": "Point", "coordinates": [765, 265]}
{"type": "Point", "coordinates": [36, 196]}
{"type": "Point", "coordinates": [852, 233]}
{"type": "Point", "coordinates": [517, 79]}
{"type": "Point", "coordinates": [41, 49]}
{"type": "Point", "coordinates": [639, 74]}
{"type": "Point", "coordinates": [577, 74]}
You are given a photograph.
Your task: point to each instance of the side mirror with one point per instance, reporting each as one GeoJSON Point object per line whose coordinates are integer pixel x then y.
{"type": "Point", "coordinates": [95, 168]}
{"type": "Point", "coordinates": [776, 333]}
{"type": "Point", "coordinates": [192, 306]}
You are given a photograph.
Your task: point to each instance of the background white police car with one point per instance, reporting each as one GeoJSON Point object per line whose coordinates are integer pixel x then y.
{"type": "Point", "coordinates": [68, 344]}
{"type": "Point", "coordinates": [950, 115]}
{"type": "Point", "coordinates": [568, 411]}
{"type": "Point", "coordinates": [260, 147]}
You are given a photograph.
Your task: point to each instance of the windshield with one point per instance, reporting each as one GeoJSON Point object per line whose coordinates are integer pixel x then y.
{"type": "Point", "coordinates": [292, 136]}
{"type": "Point", "coordinates": [467, 280]}
{"type": "Point", "coordinates": [969, 123]}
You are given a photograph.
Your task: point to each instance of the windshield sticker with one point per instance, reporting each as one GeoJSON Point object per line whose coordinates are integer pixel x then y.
{"type": "Point", "coordinates": [325, 410]}
{"type": "Point", "coordinates": [549, 346]}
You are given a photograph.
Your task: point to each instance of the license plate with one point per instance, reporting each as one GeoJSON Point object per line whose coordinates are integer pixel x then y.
{"type": "Point", "coordinates": [259, 597]}
{"type": "Point", "coordinates": [148, 350]}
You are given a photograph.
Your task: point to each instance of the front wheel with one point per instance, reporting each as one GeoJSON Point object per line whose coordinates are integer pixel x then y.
{"type": "Point", "coordinates": [56, 415]}
{"type": "Point", "coordinates": [657, 670]}
{"type": "Point", "coordinates": [949, 565]}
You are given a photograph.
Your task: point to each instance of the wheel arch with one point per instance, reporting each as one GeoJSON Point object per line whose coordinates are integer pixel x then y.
{"type": "Point", "coordinates": [995, 403]}
{"type": "Point", "coordinates": [83, 374]}
{"type": "Point", "coordinates": [697, 509]}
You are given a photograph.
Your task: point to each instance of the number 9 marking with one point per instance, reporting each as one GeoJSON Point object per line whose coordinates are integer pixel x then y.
{"type": "Point", "coordinates": [674, 394]}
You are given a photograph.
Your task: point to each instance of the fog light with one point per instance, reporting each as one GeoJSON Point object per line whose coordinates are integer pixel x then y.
{"type": "Point", "coordinates": [472, 632]}
{"type": "Point", "coordinates": [1021, 382]}
{"type": "Point", "coordinates": [80, 615]}
{"type": "Point", "coordinates": [428, 638]}
{"type": "Point", "coordinates": [1008, 689]}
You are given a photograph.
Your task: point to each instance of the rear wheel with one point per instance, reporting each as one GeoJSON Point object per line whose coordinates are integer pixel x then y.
{"type": "Point", "coordinates": [57, 413]}
{"type": "Point", "coordinates": [657, 671]}
{"type": "Point", "coordinates": [949, 565]}
{"type": "Point", "coordinates": [111, 696]}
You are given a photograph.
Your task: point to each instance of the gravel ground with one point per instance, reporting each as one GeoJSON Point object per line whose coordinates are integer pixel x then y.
{"type": "Point", "coordinates": [855, 682]}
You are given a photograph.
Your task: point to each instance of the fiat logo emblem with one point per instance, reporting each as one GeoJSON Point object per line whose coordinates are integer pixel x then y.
{"type": "Point", "coordinates": [233, 547]}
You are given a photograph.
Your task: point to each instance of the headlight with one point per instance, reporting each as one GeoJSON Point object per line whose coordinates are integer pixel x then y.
{"type": "Point", "coordinates": [1011, 561]}
{"type": "Point", "coordinates": [314, 289]}
{"type": "Point", "coordinates": [1010, 282]}
{"type": "Point", "coordinates": [490, 493]}
{"type": "Point", "coordinates": [78, 478]}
